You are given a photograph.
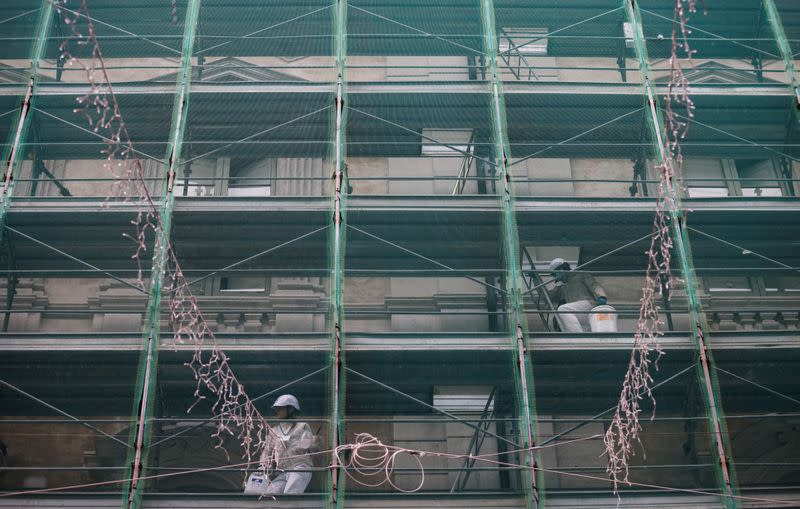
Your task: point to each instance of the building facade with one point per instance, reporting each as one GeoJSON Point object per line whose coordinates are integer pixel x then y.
{"type": "Point", "coordinates": [365, 197]}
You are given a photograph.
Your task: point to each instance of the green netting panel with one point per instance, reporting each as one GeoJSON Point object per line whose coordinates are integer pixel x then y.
{"type": "Point", "coordinates": [573, 42]}
{"type": "Point", "coordinates": [576, 397]}
{"type": "Point", "coordinates": [289, 42]}
{"type": "Point", "coordinates": [184, 442]}
{"type": "Point", "coordinates": [450, 402]}
{"type": "Point", "coordinates": [414, 41]}
{"type": "Point", "coordinates": [46, 448]}
{"type": "Point", "coordinates": [733, 44]}
{"type": "Point", "coordinates": [66, 158]}
{"type": "Point", "coordinates": [429, 273]}
{"type": "Point", "coordinates": [747, 275]}
{"type": "Point", "coordinates": [421, 144]}
{"type": "Point", "coordinates": [78, 304]}
{"type": "Point", "coordinates": [741, 146]}
{"type": "Point", "coordinates": [759, 391]}
{"type": "Point", "coordinates": [257, 273]}
{"type": "Point", "coordinates": [71, 273]}
{"type": "Point", "coordinates": [252, 226]}
{"type": "Point", "coordinates": [426, 140]}
{"type": "Point", "coordinates": [586, 146]}
{"type": "Point", "coordinates": [17, 29]}
{"type": "Point", "coordinates": [65, 150]}
{"type": "Point", "coordinates": [257, 145]}
{"type": "Point", "coordinates": [274, 136]}
{"type": "Point", "coordinates": [140, 41]}
{"type": "Point", "coordinates": [426, 300]}
{"type": "Point", "coordinates": [584, 155]}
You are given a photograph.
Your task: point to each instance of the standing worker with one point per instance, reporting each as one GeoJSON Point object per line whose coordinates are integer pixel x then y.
{"type": "Point", "coordinates": [293, 463]}
{"type": "Point", "coordinates": [576, 295]}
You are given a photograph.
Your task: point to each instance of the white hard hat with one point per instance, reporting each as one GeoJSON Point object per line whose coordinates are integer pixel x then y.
{"type": "Point", "coordinates": [287, 400]}
{"type": "Point", "coordinates": [556, 263]}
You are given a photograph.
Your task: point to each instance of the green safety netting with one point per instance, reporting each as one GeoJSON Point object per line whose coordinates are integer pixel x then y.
{"type": "Point", "coordinates": [406, 312]}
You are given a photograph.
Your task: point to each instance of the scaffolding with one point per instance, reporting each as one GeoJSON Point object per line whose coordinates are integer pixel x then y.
{"type": "Point", "coordinates": [363, 198]}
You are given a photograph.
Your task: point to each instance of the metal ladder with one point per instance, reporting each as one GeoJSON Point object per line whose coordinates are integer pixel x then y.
{"type": "Point", "coordinates": [534, 282]}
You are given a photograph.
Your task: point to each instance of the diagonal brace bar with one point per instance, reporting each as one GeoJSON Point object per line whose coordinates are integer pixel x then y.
{"type": "Point", "coordinates": [426, 138]}
{"type": "Point", "coordinates": [65, 414]}
{"type": "Point", "coordinates": [423, 257]}
{"type": "Point", "coordinates": [744, 249]}
{"type": "Point", "coordinates": [253, 400]}
{"type": "Point", "coordinates": [756, 384]}
{"type": "Point", "coordinates": [74, 259]}
{"type": "Point", "coordinates": [431, 407]}
{"type": "Point", "coordinates": [257, 255]}
{"type": "Point", "coordinates": [611, 409]}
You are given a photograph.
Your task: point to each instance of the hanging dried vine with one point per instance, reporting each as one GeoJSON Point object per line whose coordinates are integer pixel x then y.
{"type": "Point", "coordinates": [235, 412]}
{"type": "Point", "coordinates": [622, 435]}
{"type": "Point", "coordinates": [100, 109]}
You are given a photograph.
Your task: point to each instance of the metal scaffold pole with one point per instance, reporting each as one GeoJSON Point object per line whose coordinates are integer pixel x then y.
{"type": "Point", "coordinates": [12, 154]}
{"type": "Point", "coordinates": [337, 436]}
{"type": "Point", "coordinates": [144, 397]}
{"type": "Point", "coordinates": [775, 23]}
{"type": "Point", "coordinates": [523, 371]}
{"type": "Point", "coordinates": [704, 361]}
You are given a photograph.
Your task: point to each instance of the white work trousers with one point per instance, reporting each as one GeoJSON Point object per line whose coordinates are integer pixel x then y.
{"type": "Point", "coordinates": [572, 321]}
{"type": "Point", "coordinates": [289, 483]}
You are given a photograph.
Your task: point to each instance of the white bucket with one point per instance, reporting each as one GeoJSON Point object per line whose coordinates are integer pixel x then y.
{"type": "Point", "coordinates": [603, 319]}
{"type": "Point", "coordinates": [256, 484]}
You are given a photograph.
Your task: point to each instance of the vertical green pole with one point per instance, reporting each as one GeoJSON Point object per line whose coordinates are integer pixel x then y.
{"type": "Point", "coordinates": [523, 371]}
{"type": "Point", "coordinates": [337, 434]}
{"type": "Point", "coordinates": [148, 364]}
{"type": "Point", "coordinates": [12, 154]}
{"type": "Point", "coordinates": [709, 385]}
{"type": "Point", "coordinates": [774, 18]}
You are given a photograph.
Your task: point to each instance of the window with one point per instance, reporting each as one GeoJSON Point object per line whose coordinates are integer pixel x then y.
{"type": "Point", "coordinates": [728, 285]}
{"type": "Point", "coordinates": [251, 178]}
{"type": "Point", "coordinates": [705, 178]}
{"type": "Point", "coordinates": [466, 399]}
{"type": "Point", "coordinates": [524, 41]}
{"type": "Point", "coordinates": [782, 284]}
{"type": "Point", "coordinates": [458, 139]}
{"type": "Point", "coordinates": [758, 177]}
{"type": "Point", "coordinates": [715, 178]}
{"type": "Point", "coordinates": [244, 284]}
{"type": "Point", "coordinates": [198, 178]}
{"type": "Point", "coordinates": [193, 188]}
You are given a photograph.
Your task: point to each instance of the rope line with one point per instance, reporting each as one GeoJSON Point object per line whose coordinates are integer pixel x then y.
{"type": "Point", "coordinates": [19, 15]}
{"type": "Point", "coordinates": [426, 34]}
{"type": "Point", "coordinates": [369, 457]}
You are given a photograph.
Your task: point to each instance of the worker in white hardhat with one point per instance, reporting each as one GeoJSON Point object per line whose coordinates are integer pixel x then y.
{"type": "Point", "coordinates": [295, 439]}
{"type": "Point", "coordinates": [575, 293]}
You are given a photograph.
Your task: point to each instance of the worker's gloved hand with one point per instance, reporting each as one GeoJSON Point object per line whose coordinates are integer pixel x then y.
{"type": "Point", "coordinates": [602, 301]}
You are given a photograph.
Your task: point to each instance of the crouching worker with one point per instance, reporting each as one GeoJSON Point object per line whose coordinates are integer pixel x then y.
{"type": "Point", "coordinates": [292, 462]}
{"type": "Point", "coordinates": [578, 293]}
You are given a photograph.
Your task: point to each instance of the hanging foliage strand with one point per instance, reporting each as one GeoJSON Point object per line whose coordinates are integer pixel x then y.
{"type": "Point", "coordinates": [235, 412]}
{"type": "Point", "coordinates": [622, 435]}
